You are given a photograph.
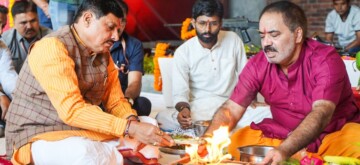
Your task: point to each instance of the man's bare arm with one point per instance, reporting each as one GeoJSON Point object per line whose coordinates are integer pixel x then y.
{"type": "Point", "coordinates": [355, 43]}
{"type": "Point", "coordinates": [134, 84]}
{"type": "Point", "coordinates": [310, 128]}
{"type": "Point", "coordinates": [329, 37]}
{"type": "Point", "coordinates": [227, 115]}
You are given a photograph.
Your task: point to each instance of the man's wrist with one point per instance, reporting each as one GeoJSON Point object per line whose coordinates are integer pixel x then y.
{"type": "Point", "coordinates": [130, 100]}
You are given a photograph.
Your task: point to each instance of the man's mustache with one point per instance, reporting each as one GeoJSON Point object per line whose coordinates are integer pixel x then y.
{"type": "Point", "coordinates": [210, 34]}
{"type": "Point", "coordinates": [29, 30]}
{"type": "Point", "coordinates": [269, 49]}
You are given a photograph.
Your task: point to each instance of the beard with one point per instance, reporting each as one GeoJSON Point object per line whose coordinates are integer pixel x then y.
{"type": "Point", "coordinates": [211, 39]}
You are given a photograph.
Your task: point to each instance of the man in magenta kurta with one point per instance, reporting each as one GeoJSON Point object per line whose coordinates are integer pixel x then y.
{"type": "Point", "coordinates": [319, 73]}
{"type": "Point", "coordinates": [306, 85]}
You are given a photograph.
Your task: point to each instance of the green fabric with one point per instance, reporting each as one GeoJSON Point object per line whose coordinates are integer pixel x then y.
{"type": "Point", "coordinates": [73, 2]}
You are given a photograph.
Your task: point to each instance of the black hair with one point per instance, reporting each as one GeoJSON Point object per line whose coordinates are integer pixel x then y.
{"type": "Point", "coordinates": [347, 1]}
{"type": "Point", "coordinates": [292, 14]}
{"type": "Point", "coordinates": [100, 8]}
{"type": "Point", "coordinates": [123, 6]}
{"type": "Point", "coordinates": [23, 6]}
{"type": "Point", "coordinates": [4, 9]}
{"type": "Point", "coordinates": [208, 8]}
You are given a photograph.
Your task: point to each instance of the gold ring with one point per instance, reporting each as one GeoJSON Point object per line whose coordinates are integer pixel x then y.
{"type": "Point", "coordinates": [155, 143]}
{"type": "Point", "coordinates": [160, 133]}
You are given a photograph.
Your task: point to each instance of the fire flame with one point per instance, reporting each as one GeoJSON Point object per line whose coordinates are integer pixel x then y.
{"type": "Point", "coordinates": [215, 146]}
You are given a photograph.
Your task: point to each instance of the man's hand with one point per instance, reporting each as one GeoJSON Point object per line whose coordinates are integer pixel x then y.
{"type": "Point", "coordinates": [149, 134]}
{"type": "Point", "coordinates": [4, 104]}
{"type": "Point", "coordinates": [184, 118]}
{"type": "Point", "coordinates": [274, 157]}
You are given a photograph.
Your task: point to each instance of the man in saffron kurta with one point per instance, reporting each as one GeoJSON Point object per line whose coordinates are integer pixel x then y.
{"type": "Point", "coordinates": [66, 77]}
{"type": "Point", "coordinates": [307, 87]}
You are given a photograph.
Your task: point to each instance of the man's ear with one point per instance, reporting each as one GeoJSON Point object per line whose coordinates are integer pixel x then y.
{"type": "Point", "coordinates": [298, 35]}
{"type": "Point", "coordinates": [193, 22]}
{"type": "Point", "coordinates": [87, 18]}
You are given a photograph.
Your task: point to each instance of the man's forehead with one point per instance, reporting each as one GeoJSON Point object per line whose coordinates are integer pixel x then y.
{"type": "Point", "coordinates": [27, 15]}
{"type": "Point", "coordinates": [208, 18]}
{"type": "Point", "coordinates": [340, 2]}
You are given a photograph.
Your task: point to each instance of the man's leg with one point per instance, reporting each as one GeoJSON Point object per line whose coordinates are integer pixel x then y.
{"type": "Point", "coordinates": [345, 142]}
{"type": "Point", "coordinates": [75, 150]}
{"type": "Point", "coordinates": [247, 136]}
{"type": "Point", "coordinates": [142, 105]}
{"type": "Point", "coordinates": [354, 49]}
{"type": "Point", "coordinates": [167, 120]}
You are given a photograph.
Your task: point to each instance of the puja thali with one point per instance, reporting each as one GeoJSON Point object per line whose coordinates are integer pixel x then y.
{"type": "Point", "coordinates": [181, 141]}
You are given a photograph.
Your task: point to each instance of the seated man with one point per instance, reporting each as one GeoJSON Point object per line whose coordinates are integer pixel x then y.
{"type": "Point", "coordinates": [25, 32]}
{"type": "Point", "coordinates": [8, 75]}
{"type": "Point", "coordinates": [205, 68]}
{"type": "Point", "coordinates": [344, 21]}
{"type": "Point", "coordinates": [307, 87]}
{"type": "Point", "coordinates": [54, 116]}
{"type": "Point", "coordinates": [128, 55]}
{"type": "Point", "coordinates": [3, 17]}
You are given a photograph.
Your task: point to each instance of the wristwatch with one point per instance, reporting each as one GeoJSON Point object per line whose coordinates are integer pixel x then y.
{"type": "Point", "coordinates": [130, 100]}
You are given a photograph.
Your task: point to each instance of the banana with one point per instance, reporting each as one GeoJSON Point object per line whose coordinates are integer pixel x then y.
{"type": "Point", "coordinates": [342, 160]}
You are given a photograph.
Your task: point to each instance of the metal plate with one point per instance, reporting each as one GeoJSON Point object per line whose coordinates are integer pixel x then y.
{"type": "Point", "coordinates": [172, 151]}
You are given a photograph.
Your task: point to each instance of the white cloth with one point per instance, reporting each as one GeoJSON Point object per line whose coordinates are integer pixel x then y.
{"type": "Point", "coordinates": [84, 151]}
{"type": "Point", "coordinates": [203, 77]}
{"type": "Point", "coordinates": [344, 30]}
{"type": "Point", "coordinates": [76, 150]}
{"type": "Point", "coordinates": [8, 75]}
{"type": "Point", "coordinates": [256, 115]}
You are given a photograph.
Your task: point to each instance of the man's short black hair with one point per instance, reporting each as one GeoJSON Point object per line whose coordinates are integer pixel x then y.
{"type": "Point", "coordinates": [208, 8]}
{"type": "Point", "coordinates": [347, 1]}
{"type": "Point", "coordinates": [23, 6]}
{"type": "Point", "coordinates": [124, 6]}
{"type": "Point", "coordinates": [4, 9]}
{"type": "Point", "coordinates": [100, 8]}
{"type": "Point", "coordinates": [292, 14]}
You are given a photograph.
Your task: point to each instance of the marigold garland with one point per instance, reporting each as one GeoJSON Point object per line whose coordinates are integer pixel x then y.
{"type": "Point", "coordinates": [160, 52]}
{"type": "Point", "coordinates": [186, 32]}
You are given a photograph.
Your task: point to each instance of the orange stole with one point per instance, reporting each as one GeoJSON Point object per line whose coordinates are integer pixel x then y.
{"type": "Point", "coordinates": [345, 142]}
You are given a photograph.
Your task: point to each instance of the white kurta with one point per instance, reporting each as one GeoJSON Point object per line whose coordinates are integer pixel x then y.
{"type": "Point", "coordinates": [203, 77]}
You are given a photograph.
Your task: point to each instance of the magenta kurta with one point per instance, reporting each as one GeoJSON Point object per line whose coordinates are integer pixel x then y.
{"type": "Point", "coordinates": [318, 74]}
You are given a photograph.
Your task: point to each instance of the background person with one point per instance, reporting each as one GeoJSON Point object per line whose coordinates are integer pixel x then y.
{"type": "Point", "coordinates": [128, 55]}
{"type": "Point", "coordinates": [307, 87]}
{"type": "Point", "coordinates": [344, 21]}
{"type": "Point", "coordinates": [8, 75]}
{"type": "Point", "coordinates": [25, 32]}
{"type": "Point", "coordinates": [3, 17]}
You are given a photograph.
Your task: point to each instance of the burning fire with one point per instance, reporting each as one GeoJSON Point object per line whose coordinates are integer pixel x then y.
{"type": "Point", "coordinates": [214, 146]}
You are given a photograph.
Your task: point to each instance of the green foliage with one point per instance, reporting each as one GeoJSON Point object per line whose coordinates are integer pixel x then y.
{"type": "Point", "coordinates": [148, 64]}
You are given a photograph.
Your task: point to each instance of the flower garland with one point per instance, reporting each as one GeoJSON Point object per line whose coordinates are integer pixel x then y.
{"type": "Point", "coordinates": [160, 52]}
{"type": "Point", "coordinates": [187, 31]}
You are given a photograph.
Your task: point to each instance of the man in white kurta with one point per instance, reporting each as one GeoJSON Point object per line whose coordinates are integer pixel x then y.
{"type": "Point", "coordinates": [204, 78]}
